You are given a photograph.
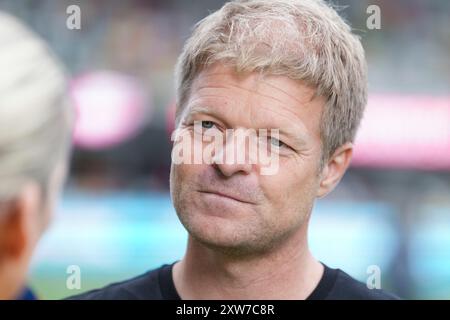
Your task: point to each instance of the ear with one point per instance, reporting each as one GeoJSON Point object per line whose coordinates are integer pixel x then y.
{"type": "Point", "coordinates": [19, 224]}
{"type": "Point", "coordinates": [334, 169]}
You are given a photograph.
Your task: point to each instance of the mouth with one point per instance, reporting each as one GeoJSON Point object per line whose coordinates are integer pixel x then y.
{"type": "Point", "coordinates": [225, 195]}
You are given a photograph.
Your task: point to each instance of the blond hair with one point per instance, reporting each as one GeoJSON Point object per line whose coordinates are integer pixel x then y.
{"type": "Point", "coordinates": [35, 117]}
{"type": "Point", "coordinates": [304, 40]}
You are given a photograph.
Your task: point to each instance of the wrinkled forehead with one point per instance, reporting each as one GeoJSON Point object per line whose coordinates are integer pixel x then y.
{"type": "Point", "coordinates": [262, 82]}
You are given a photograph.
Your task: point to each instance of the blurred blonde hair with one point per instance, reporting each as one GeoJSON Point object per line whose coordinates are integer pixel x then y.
{"type": "Point", "coordinates": [304, 40]}
{"type": "Point", "coordinates": [35, 116]}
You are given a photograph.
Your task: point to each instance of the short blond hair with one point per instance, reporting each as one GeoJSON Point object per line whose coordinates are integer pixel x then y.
{"type": "Point", "coordinates": [304, 40]}
{"type": "Point", "coordinates": [35, 114]}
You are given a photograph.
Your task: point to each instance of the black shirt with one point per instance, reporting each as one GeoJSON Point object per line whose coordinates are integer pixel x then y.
{"type": "Point", "coordinates": [158, 284]}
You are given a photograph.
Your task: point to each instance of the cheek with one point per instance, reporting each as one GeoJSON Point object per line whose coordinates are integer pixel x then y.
{"type": "Point", "coordinates": [292, 188]}
{"type": "Point", "coordinates": [182, 182]}
{"type": "Point", "coordinates": [180, 175]}
{"type": "Point", "coordinates": [176, 174]}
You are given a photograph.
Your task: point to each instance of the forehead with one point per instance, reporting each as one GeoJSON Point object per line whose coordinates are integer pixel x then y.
{"type": "Point", "coordinates": [220, 89]}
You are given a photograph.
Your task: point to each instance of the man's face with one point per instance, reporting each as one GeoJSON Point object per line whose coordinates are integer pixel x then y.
{"type": "Point", "coordinates": [232, 206]}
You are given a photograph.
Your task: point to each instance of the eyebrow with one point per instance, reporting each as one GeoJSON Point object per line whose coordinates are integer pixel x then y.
{"type": "Point", "coordinates": [196, 109]}
{"type": "Point", "coordinates": [200, 109]}
{"type": "Point", "coordinates": [298, 138]}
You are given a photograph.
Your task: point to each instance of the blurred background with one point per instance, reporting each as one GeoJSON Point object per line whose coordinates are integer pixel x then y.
{"type": "Point", "coordinates": [116, 220]}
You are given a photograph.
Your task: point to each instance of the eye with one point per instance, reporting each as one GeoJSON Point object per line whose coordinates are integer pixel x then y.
{"type": "Point", "coordinates": [207, 124]}
{"type": "Point", "coordinates": [277, 143]}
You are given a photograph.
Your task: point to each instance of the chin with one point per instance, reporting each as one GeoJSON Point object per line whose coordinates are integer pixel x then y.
{"type": "Point", "coordinates": [229, 236]}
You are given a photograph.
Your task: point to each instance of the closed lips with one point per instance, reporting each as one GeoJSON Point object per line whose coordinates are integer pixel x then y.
{"type": "Point", "coordinates": [226, 195]}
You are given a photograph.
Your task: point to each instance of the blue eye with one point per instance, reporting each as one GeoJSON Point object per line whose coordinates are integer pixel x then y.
{"type": "Point", "coordinates": [276, 142]}
{"type": "Point", "coordinates": [207, 124]}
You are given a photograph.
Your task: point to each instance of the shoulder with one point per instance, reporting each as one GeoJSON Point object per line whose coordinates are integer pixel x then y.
{"type": "Point", "coordinates": [348, 288]}
{"type": "Point", "coordinates": [145, 286]}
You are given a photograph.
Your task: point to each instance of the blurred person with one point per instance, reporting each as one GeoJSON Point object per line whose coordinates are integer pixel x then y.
{"type": "Point", "coordinates": [292, 65]}
{"type": "Point", "coordinates": [35, 126]}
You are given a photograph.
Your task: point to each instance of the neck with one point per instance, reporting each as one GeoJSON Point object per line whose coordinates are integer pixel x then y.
{"type": "Point", "coordinates": [289, 272]}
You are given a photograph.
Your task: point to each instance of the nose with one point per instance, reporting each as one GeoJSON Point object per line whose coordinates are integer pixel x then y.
{"type": "Point", "coordinates": [230, 169]}
{"type": "Point", "coordinates": [233, 158]}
